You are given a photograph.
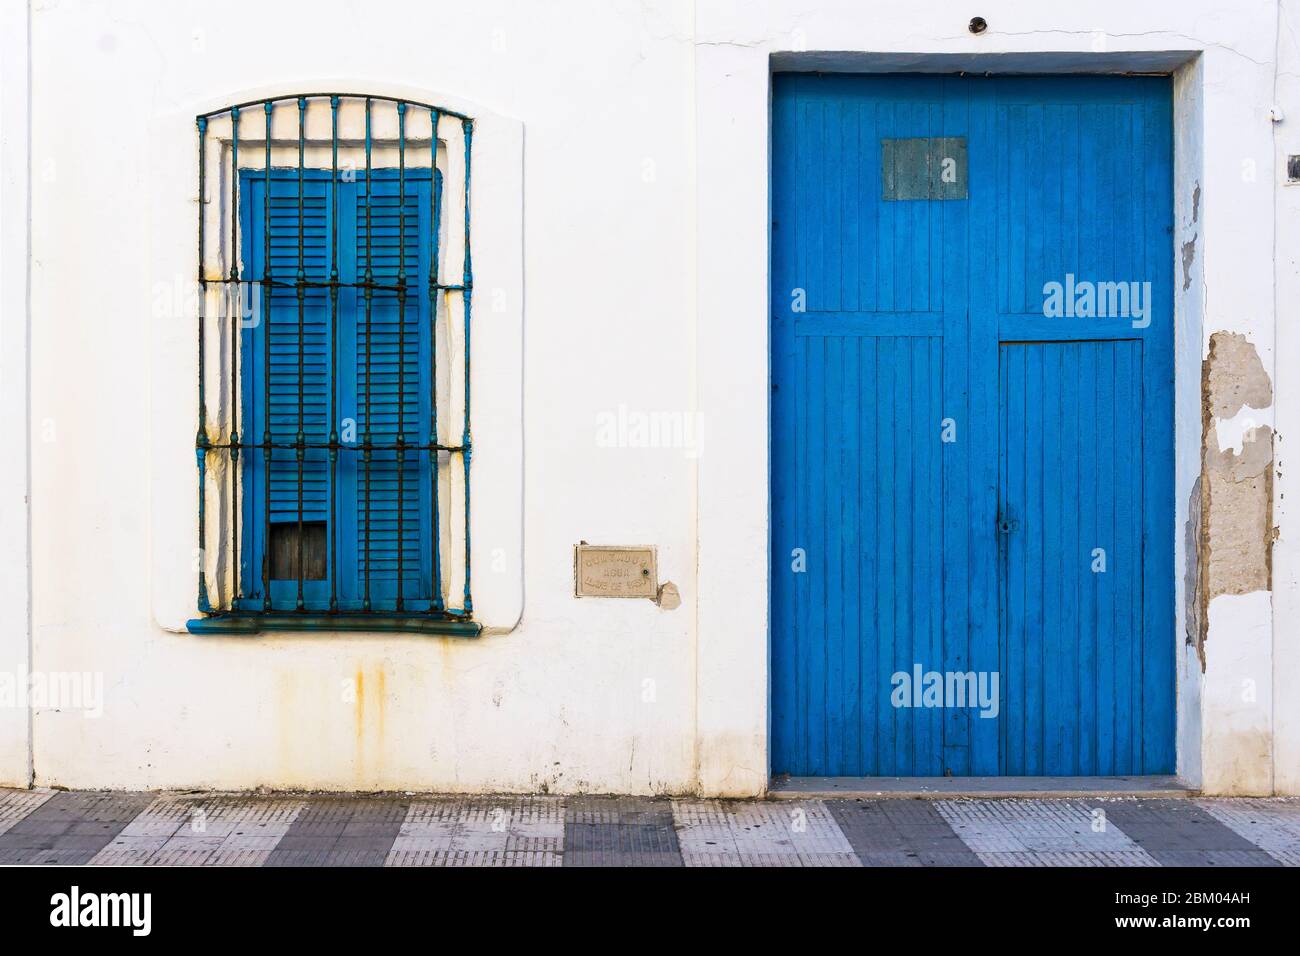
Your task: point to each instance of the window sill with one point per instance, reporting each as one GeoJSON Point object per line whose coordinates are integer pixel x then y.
{"type": "Point", "coordinates": [256, 623]}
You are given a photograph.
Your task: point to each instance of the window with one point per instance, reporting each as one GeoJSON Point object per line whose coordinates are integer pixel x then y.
{"type": "Point", "coordinates": [334, 354]}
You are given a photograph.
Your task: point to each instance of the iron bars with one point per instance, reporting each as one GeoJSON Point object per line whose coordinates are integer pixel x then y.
{"type": "Point", "coordinates": [312, 245]}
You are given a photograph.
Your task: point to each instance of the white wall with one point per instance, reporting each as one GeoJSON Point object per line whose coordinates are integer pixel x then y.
{"type": "Point", "coordinates": [557, 703]}
{"type": "Point", "coordinates": [1286, 553]}
{"type": "Point", "coordinates": [15, 632]}
{"type": "Point", "coordinates": [644, 238]}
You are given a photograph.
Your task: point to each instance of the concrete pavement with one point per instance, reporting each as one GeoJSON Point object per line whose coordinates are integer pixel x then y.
{"type": "Point", "coordinates": [279, 829]}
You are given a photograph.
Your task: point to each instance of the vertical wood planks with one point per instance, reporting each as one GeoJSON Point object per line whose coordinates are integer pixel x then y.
{"type": "Point", "coordinates": [1037, 545]}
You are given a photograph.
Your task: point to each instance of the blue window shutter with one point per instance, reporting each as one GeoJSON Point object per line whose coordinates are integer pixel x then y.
{"type": "Point", "coordinates": [383, 247]}
{"type": "Point", "coordinates": [273, 321]}
{"type": "Point", "coordinates": [281, 327]}
{"type": "Point", "coordinates": [389, 367]}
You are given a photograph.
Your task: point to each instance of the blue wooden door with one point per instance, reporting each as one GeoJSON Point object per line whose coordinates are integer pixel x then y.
{"type": "Point", "coordinates": [972, 512]}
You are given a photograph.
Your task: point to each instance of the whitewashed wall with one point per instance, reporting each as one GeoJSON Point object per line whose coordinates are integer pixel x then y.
{"type": "Point", "coordinates": [556, 703]}
{"type": "Point", "coordinates": [642, 197]}
{"type": "Point", "coordinates": [15, 581]}
{"type": "Point", "coordinates": [1286, 553]}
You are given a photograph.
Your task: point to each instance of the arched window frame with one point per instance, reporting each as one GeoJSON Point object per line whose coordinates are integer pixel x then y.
{"type": "Point", "coordinates": [236, 590]}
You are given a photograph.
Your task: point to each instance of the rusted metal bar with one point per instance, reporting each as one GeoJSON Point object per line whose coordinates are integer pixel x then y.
{"type": "Point", "coordinates": [267, 270]}
{"type": "Point", "coordinates": [315, 284]}
{"type": "Point", "coordinates": [302, 340]}
{"type": "Point", "coordinates": [201, 442]}
{"type": "Point", "coordinates": [235, 318]}
{"type": "Point", "coordinates": [365, 435]}
{"type": "Point", "coordinates": [401, 346]}
{"type": "Point", "coordinates": [324, 94]}
{"type": "Point", "coordinates": [324, 445]}
{"type": "Point", "coordinates": [334, 360]}
{"type": "Point", "coordinates": [435, 194]}
{"type": "Point", "coordinates": [468, 282]}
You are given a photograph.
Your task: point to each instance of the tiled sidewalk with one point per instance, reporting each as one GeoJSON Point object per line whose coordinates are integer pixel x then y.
{"type": "Point", "coordinates": [391, 830]}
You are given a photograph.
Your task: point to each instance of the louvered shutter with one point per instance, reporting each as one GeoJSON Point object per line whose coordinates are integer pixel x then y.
{"type": "Point", "coordinates": [377, 406]}
{"type": "Point", "coordinates": [398, 385]}
{"type": "Point", "coordinates": [283, 328]}
{"type": "Point", "coordinates": [273, 335]}
{"type": "Point", "coordinates": [390, 362]}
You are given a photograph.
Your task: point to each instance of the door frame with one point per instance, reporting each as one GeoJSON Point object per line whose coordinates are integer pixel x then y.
{"type": "Point", "coordinates": [733, 684]}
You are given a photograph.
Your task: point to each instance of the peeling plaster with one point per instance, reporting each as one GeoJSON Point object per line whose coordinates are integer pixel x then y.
{"type": "Point", "coordinates": [1194, 614]}
{"type": "Point", "coordinates": [1236, 376]}
{"type": "Point", "coordinates": [668, 598]}
{"type": "Point", "coordinates": [1189, 256]}
{"type": "Point", "coordinates": [1232, 522]}
{"type": "Point", "coordinates": [1239, 516]}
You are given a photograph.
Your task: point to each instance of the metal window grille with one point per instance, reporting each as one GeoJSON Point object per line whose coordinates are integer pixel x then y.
{"type": "Point", "coordinates": [334, 319]}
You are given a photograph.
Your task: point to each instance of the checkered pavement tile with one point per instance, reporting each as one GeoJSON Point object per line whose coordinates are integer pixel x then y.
{"type": "Point", "coordinates": [1015, 832]}
{"type": "Point", "coordinates": [900, 833]}
{"type": "Point", "coordinates": [1181, 833]}
{"type": "Point", "coordinates": [1271, 825]}
{"type": "Point", "coordinates": [614, 831]}
{"type": "Point", "coordinates": [16, 804]}
{"type": "Point", "coordinates": [341, 831]}
{"type": "Point", "coordinates": [209, 830]}
{"type": "Point", "coordinates": [504, 831]}
{"type": "Point", "coordinates": [69, 828]}
{"type": "Point", "coordinates": [784, 833]}
{"type": "Point", "coordinates": [1067, 858]}
{"type": "Point", "coordinates": [213, 829]}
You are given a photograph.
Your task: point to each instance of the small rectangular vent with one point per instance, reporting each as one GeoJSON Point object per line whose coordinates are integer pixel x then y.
{"type": "Point", "coordinates": [927, 167]}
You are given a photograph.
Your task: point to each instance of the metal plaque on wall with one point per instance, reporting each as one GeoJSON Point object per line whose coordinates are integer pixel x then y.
{"type": "Point", "coordinates": [615, 571]}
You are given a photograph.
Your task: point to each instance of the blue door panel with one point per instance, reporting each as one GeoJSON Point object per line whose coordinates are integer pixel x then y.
{"type": "Point", "coordinates": [948, 461]}
{"type": "Point", "coordinates": [1071, 487]}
